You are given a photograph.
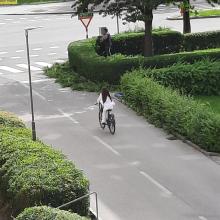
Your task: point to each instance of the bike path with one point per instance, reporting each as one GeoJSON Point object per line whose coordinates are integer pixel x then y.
{"type": "Point", "coordinates": [138, 173]}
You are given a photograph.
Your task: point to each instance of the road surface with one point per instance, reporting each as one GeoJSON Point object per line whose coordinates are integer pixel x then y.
{"type": "Point", "coordinates": [138, 173]}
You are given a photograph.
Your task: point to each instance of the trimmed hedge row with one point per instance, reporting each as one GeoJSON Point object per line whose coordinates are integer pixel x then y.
{"type": "Point", "coordinates": [85, 61]}
{"type": "Point", "coordinates": [164, 41]}
{"type": "Point", "coordinates": [32, 173]}
{"type": "Point", "coordinates": [132, 43]}
{"type": "Point", "coordinates": [200, 78]}
{"type": "Point", "coordinates": [47, 213]}
{"type": "Point", "coordinates": [10, 120]}
{"type": "Point", "coordinates": [201, 40]}
{"type": "Point", "coordinates": [167, 108]}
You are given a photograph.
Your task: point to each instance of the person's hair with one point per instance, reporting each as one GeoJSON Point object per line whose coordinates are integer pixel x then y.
{"type": "Point", "coordinates": [105, 94]}
{"type": "Point", "coordinates": [105, 29]}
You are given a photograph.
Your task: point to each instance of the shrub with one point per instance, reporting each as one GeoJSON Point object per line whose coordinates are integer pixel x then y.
{"type": "Point", "coordinates": [133, 43]}
{"type": "Point", "coordinates": [200, 78]}
{"type": "Point", "coordinates": [32, 173]}
{"type": "Point", "coordinates": [10, 120]}
{"type": "Point", "coordinates": [85, 61]}
{"type": "Point", "coordinates": [47, 213]}
{"type": "Point", "coordinates": [167, 108]}
{"type": "Point", "coordinates": [201, 41]}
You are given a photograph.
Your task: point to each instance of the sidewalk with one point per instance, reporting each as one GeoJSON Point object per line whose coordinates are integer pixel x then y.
{"type": "Point", "coordinates": [47, 8]}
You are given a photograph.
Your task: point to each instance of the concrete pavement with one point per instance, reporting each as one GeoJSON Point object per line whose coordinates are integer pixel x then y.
{"type": "Point", "coordinates": [138, 173]}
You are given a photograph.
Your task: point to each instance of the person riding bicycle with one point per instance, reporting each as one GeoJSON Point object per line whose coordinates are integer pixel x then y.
{"type": "Point", "coordinates": [105, 100]}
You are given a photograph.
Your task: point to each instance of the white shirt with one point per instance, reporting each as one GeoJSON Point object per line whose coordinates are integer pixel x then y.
{"type": "Point", "coordinates": [108, 103]}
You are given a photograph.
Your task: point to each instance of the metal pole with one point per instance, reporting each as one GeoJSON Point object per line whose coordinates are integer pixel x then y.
{"type": "Point", "coordinates": [87, 34]}
{"type": "Point", "coordinates": [30, 84]}
{"type": "Point", "coordinates": [117, 22]}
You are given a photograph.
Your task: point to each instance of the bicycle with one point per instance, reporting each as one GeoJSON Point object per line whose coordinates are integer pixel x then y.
{"type": "Point", "coordinates": [110, 122]}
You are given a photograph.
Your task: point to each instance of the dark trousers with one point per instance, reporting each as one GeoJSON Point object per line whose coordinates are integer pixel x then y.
{"type": "Point", "coordinates": [107, 51]}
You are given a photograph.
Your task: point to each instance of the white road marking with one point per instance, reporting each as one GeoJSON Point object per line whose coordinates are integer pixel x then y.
{"type": "Point", "coordinates": [9, 69]}
{"type": "Point", "coordinates": [16, 22]}
{"type": "Point", "coordinates": [162, 188]}
{"type": "Point", "coordinates": [43, 64]}
{"type": "Point", "coordinates": [2, 23]}
{"type": "Point", "coordinates": [35, 92]}
{"type": "Point", "coordinates": [80, 112]}
{"type": "Point", "coordinates": [51, 54]}
{"type": "Point", "coordinates": [8, 19]}
{"type": "Point", "coordinates": [106, 145]}
{"type": "Point", "coordinates": [3, 52]}
{"type": "Point", "coordinates": [59, 61]}
{"type": "Point", "coordinates": [54, 47]}
{"type": "Point", "coordinates": [1, 73]}
{"type": "Point", "coordinates": [202, 218]}
{"type": "Point", "coordinates": [37, 80]}
{"type": "Point", "coordinates": [19, 51]}
{"type": "Point", "coordinates": [23, 18]}
{"type": "Point", "coordinates": [25, 66]}
{"type": "Point", "coordinates": [68, 116]}
{"type": "Point", "coordinates": [15, 57]}
{"type": "Point", "coordinates": [36, 49]}
{"type": "Point", "coordinates": [34, 55]}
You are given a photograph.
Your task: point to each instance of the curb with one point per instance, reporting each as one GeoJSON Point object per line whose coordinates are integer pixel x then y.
{"type": "Point", "coordinates": [39, 13]}
{"type": "Point", "coordinates": [195, 17]}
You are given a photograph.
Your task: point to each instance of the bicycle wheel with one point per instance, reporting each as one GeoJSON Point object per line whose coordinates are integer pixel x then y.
{"type": "Point", "coordinates": [100, 120]}
{"type": "Point", "coordinates": [111, 124]}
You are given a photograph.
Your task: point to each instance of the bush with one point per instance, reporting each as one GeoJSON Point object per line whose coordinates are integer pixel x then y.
{"type": "Point", "coordinates": [10, 120]}
{"type": "Point", "coordinates": [85, 61]}
{"type": "Point", "coordinates": [67, 77]}
{"type": "Point", "coordinates": [201, 41]}
{"type": "Point", "coordinates": [32, 173]}
{"type": "Point", "coordinates": [133, 43]}
{"type": "Point", "coordinates": [47, 213]}
{"type": "Point", "coordinates": [167, 108]}
{"type": "Point", "coordinates": [200, 78]}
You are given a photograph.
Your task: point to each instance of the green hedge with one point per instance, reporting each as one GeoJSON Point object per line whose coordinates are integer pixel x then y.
{"type": "Point", "coordinates": [167, 108]}
{"type": "Point", "coordinates": [132, 43]}
{"type": "Point", "coordinates": [47, 213]}
{"type": "Point", "coordinates": [32, 173]}
{"type": "Point", "coordinates": [200, 78]}
{"type": "Point", "coordinates": [201, 41]}
{"type": "Point", "coordinates": [10, 120]}
{"type": "Point", "coordinates": [85, 61]}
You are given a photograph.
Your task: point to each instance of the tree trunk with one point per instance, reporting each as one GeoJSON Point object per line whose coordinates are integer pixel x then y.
{"type": "Point", "coordinates": [148, 42]}
{"type": "Point", "coordinates": [186, 19]}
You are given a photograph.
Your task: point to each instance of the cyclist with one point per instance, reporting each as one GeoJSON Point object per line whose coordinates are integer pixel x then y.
{"type": "Point", "coordinates": [105, 100]}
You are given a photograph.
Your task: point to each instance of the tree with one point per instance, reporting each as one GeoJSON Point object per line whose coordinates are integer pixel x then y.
{"type": "Point", "coordinates": [185, 7]}
{"type": "Point", "coordinates": [132, 11]}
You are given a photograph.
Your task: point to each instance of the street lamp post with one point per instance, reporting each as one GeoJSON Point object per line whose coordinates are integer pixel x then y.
{"type": "Point", "coordinates": [30, 83]}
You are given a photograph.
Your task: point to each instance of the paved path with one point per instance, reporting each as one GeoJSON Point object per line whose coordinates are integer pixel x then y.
{"type": "Point", "coordinates": [138, 173]}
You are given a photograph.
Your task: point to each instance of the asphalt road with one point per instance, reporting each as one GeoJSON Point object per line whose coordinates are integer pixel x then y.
{"type": "Point", "coordinates": [138, 173]}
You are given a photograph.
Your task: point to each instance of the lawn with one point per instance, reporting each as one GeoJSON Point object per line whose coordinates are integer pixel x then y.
{"type": "Point", "coordinates": [36, 1]}
{"type": "Point", "coordinates": [213, 101]}
{"type": "Point", "coordinates": [205, 13]}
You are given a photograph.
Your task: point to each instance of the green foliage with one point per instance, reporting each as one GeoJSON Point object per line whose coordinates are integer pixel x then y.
{"type": "Point", "coordinates": [85, 61]}
{"type": "Point", "coordinates": [32, 173]}
{"type": "Point", "coordinates": [47, 213]}
{"type": "Point", "coordinates": [200, 41]}
{"type": "Point", "coordinates": [167, 108]}
{"type": "Point", "coordinates": [132, 43]}
{"type": "Point", "coordinates": [212, 101]}
{"type": "Point", "coordinates": [200, 78]}
{"type": "Point", "coordinates": [35, 1]}
{"type": "Point", "coordinates": [67, 77]}
{"type": "Point", "coordinates": [10, 120]}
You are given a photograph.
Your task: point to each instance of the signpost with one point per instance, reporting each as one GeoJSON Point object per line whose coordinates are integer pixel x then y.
{"type": "Point", "coordinates": [86, 18]}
